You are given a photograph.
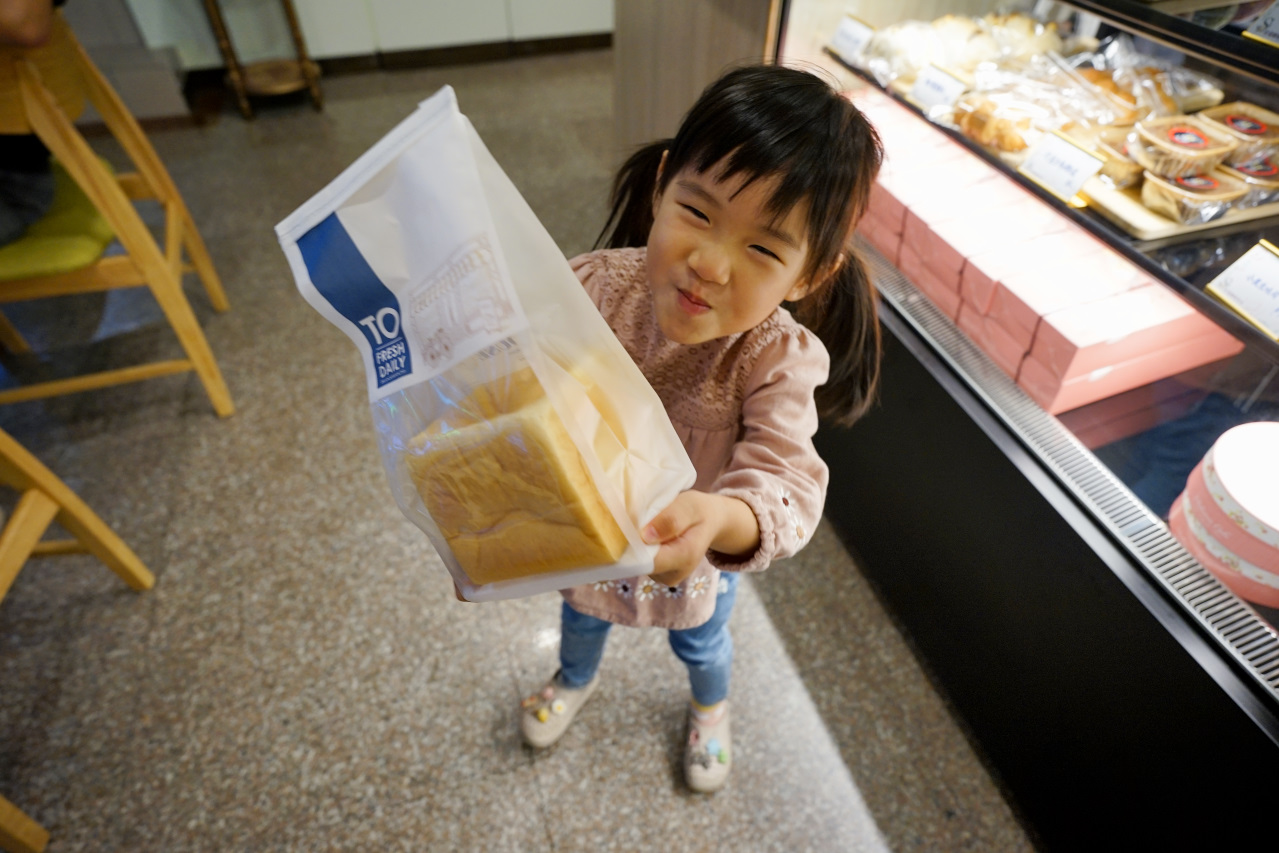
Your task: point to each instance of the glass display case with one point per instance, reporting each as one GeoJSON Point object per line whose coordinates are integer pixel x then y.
{"type": "Point", "coordinates": [1018, 495]}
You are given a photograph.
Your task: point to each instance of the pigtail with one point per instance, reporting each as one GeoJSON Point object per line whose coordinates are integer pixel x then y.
{"type": "Point", "coordinates": [631, 218]}
{"type": "Point", "coordinates": [845, 318]}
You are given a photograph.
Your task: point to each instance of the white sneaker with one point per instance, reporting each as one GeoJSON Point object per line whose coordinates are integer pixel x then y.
{"type": "Point", "coordinates": [708, 753]}
{"type": "Point", "coordinates": [546, 715]}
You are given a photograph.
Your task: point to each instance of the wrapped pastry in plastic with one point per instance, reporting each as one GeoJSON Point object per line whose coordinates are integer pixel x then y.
{"type": "Point", "coordinates": [956, 42]}
{"type": "Point", "coordinates": [997, 120]}
{"type": "Point", "coordinates": [1254, 129]}
{"type": "Point", "coordinates": [505, 407]}
{"type": "Point", "coordinates": [1261, 177]}
{"type": "Point", "coordinates": [1192, 199]}
{"type": "Point", "coordinates": [899, 52]}
{"type": "Point", "coordinates": [1020, 36]}
{"type": "Point", "coordinates": [1009, 109]}
{"type": "Point", "coordinates": [1118, 169]}
{"type": "Point", "coordinates": [1149, 87]}
{"type": "Point", "coordinates": [1178, 146]}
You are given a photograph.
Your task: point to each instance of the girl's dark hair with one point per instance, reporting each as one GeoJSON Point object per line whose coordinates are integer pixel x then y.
{"type": "Point", "coordinates": [767, 121]}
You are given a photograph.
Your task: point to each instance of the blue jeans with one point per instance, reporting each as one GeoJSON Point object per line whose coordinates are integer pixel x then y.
{"type": "Point", "coordinates": [706, 650]}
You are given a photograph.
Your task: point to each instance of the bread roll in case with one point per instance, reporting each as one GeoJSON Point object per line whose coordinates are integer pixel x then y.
{"type": "Point", "coordinates": [507, 487]}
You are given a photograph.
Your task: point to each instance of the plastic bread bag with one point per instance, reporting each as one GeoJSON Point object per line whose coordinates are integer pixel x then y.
{"type": "Point", "coordinates": [515, 430]}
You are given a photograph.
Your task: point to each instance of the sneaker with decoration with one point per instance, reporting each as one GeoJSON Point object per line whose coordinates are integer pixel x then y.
{"type": "Point", "coordinates": [708, 750]}
{"type": "Point", "coordinates": [546, 715]}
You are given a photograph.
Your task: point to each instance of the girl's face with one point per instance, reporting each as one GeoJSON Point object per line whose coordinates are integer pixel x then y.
{"type": "Point", "coordinates": [717, 262]}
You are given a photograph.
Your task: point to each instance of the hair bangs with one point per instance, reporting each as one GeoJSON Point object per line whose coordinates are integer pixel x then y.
{"type": "Point", "coordinates": [792, 128]}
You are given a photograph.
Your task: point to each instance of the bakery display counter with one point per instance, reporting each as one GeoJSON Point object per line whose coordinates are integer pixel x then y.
{"type": "Point", "coordinates": [1119, 338]}
{"type": "Point", "coordinates": [1030, 495]}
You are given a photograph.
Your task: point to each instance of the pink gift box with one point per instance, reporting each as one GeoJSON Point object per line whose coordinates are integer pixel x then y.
{"type": "Point", "coordinates": [1101, 434]}
{"type": "Point", "coordinates": [911, 262]}
{"type": "Point", "coordinates": [884, 241]}
{"type": "Point", "coordinates": [952, 241]}
{"type": "Point", "coordinates": [1025, 294]}
{"type": "Point", "coordinates": [919, 188]}
{"type": "Point", "coordinates": [921, 253]}
{"type": "Point", "coordinates": [1067, 248]}
{"type": "Point", "coordinates": [1083, 338]}
{"type": "Point", "coordinates": [944, 297]}
{"type": "Point", "coordinates": [1131, 412]}
{"type": "Point", "coordinates": [1057, 395]}
{"type": "Point", "coordinates": [1003, 350]}
{"type": "Point", "coordinates": [975, 193]}
{"type": "Point", "coordinates": [885, 209]}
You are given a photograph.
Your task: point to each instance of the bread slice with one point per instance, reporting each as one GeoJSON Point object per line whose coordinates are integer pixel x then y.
{"type": "Point", "coordinates": [508, 488]}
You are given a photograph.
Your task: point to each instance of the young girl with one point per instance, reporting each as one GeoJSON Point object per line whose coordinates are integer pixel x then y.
{"type": "Point", "coordinates": [750, 206]}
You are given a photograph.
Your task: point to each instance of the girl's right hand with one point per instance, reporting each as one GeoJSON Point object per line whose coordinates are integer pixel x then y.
{"type": "Point", "coordinates": [694, 523]}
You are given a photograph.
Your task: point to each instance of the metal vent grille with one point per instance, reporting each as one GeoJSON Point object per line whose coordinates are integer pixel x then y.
{"type": "Point", "coordinates": [1243, 634]}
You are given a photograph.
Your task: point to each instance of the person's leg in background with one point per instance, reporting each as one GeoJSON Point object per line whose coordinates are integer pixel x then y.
{"type": "Point", "coordinates": [24, 198]}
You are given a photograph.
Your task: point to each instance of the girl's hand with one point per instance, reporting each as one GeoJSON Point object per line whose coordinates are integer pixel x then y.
{"type": "Point", "coordinates": [694, 523]}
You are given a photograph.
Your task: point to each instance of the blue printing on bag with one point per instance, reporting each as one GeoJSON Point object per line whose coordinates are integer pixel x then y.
{"type": "Point", "coordinates": [344, 278]}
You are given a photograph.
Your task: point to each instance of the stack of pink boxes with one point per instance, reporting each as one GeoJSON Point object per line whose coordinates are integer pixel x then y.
{"type": "Point", "coordinates": [1066, 316]}
{"type": "Point", "coordinates": [1138, 410]}
{"type": "Point", "coordinates": [1228, 515]}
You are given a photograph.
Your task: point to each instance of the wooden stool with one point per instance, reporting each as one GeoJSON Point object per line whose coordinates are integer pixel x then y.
{"type": "Point", "coordinates": [45, 499]}
{"type": "Point", "coordinates": [41, 90]}
{"type": "Point", "coordinates": [270, 76]}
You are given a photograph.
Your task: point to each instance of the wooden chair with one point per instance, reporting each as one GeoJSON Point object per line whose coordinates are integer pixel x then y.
{"type": "Point", "coordinates": [45, 499]}
{"type": "Point", "coordinates": [41, 90]}
{"type": "Point", "coordinates": [19, 833]}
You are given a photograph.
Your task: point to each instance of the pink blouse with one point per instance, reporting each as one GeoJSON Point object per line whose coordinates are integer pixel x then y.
{"type": "Point", "coordinates": [743, 407]}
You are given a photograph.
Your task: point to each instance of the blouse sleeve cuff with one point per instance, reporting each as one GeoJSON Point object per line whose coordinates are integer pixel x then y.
{"type": "Point", "coordinates": [762, 556]}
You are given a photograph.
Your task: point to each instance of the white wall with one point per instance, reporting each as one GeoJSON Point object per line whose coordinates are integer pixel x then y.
{"type": "Point", "coordinates": [336, 27]}
{"type": "Point", "coordinates": [411, 24]}
{"type": "Point", "coordinates": [358, 27]}
{"type": "Point", "coordinates": [535, 19]}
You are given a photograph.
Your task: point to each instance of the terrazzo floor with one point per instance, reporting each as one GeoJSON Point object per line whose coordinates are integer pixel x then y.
{"type": "Point", "coordinates": [301, 678]}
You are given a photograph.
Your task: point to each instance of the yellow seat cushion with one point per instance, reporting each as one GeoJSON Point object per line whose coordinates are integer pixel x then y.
{"type": "Point", "coordinates": [71, 236]}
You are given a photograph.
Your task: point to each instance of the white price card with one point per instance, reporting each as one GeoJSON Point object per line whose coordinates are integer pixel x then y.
{"type": "Point", "coordinates": [1060, 165]}
{"type": "Point", "coordinates": [851, 38]}
{"type": "Point", "coordinates": [1251, 287]}
{"type": "Point", "coordinates": [935, 87]}
{"type": "Point", "coordinates": [1266, 27]}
